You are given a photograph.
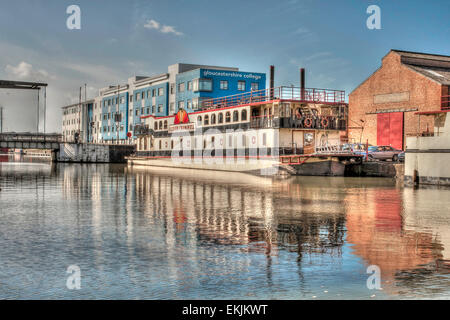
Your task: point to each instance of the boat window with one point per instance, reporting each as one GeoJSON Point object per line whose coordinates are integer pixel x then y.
{"type": "Point", "coordinates": [244, 115]}
{"type": "Point", "coordinates": [220, 117]}
{"type": "Point", "coordinates": [206, 122]}
{"type": "Point", "coordinates": [165, 124]}
{"type": "Point", "coordinates": [199, 120]}
{"type": "Point", "coordinates": [227, 117]}
{"type": "Point", "coordinates": [213, 119]}
{"type": "Point", "coordinates": [235, 116]}
{"type": "Point", "coordinates": [156, 125]}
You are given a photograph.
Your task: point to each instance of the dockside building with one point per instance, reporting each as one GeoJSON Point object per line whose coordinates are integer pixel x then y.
{"type": "Point", "coordinates": [112, 116]}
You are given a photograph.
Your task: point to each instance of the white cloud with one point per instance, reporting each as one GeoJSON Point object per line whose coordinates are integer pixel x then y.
{"type": "Point", "coordinates": [153, 24]}
{"type": "Point", "coordinates": [25, 71]}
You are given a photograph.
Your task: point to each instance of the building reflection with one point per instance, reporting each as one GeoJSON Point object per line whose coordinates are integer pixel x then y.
{"type": "Point", "coordinates": [261, 215]}
{"type": "Point", "coordinates": [385, 225]}
{"type": "Point", "coordinates": [378, 228]}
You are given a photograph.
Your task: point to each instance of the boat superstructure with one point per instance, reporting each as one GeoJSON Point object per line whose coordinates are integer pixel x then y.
{"type": "Point", "coordinates": [282, 127]}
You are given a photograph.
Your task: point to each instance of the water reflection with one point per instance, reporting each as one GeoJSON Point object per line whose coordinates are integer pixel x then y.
{"type": "Point", "coordinates": [175, 234]}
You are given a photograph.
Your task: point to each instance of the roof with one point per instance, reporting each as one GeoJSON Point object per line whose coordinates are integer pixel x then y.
{"type": "Point", "coordinates": [433, 66]}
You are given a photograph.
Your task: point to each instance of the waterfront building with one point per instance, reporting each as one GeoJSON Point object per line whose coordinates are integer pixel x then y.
{"type": "Point", "coordinates": [383, 109]}
{"type": "Point", "coordinates": [76, 121]}
{"type": "Point", "coordinates": [118, 109]}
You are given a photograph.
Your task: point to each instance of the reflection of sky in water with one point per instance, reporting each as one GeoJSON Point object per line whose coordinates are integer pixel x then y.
{"type": "Point", "coordinates": [205, 235]}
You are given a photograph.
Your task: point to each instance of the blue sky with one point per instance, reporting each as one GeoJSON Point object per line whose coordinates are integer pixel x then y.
{"type": "Point", "coordinates": [116, 41]}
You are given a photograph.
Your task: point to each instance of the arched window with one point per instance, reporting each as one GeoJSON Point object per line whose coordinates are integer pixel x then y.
{"type": "Point", "coordinates": [213, 118]}
{"type": "Point", "coordinates": [165, 124]}
{"type": "Point", "coordinates": [160, 125]}
{"type": "Point", "coordinates": [227, 116]}
{"type": "Point", "coordinates": [244, 115]}
{"type": "Point", "coordinates": [206, 122]}
{"type": "Point", "coordinates": [220, 117]}
{"type": "Point", "coordinates": [235, 116]}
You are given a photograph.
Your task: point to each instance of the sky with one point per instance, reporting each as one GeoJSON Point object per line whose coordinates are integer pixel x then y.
{"type": "Point", "coordinates": [120, 39]}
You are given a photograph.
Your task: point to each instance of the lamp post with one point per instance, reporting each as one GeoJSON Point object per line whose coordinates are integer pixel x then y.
{"type": "Point", "coordinates": [1, 119]}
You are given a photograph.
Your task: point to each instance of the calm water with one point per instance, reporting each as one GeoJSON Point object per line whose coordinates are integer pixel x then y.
{"type": "Point", "coordinates": [180, 234]}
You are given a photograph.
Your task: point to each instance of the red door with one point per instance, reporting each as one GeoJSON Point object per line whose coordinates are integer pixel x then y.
{"type": "Point", "coordinates": [390, 129]}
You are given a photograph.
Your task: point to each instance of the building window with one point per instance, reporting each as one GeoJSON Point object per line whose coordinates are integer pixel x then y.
{"type": "Point", "coordinates": [255, 86]}
{"type": "Point", "coordinates": [181, 87]}
{"type": "Point", "coordinates": [202, 85]}
{"type": "Point", "coordinates": [172, 88]}
{"type": "Point", "coordinates": [189, 85]}
{"type": "Point", "coordinates": [137, 112]}
{"type": "Point", "coordinates": [189, 104]}
{"type": "Point", "coordinates": [155, 125]}
{"type": "Point", "coordinates": [160, 91]}
{"type": "Point", "coordinates": [199, 120]}
{"type": "Point", "coordinates": [213, 118]}
{"type": "Point", "coordinates": [154, 93]}
{"type": "Point", "coordinates": [224, 85]}
{"type": "Point", "coordinates": [148, 110]}
{"type": "Point", "coordinates": [206, 122]}
{"type": "Point", "coordinates": [241, 85]}
{"type": "Point", "coordinates": [172, 107]}
{"type": "Point", "coordinates": [181, 104]}
{"type": "Point", "coordinates": [195, 104]}
{"type": "Point", "coordinates": [165, 124]}
{"type": "Point", "coordinates": [220, 117]}
{"type": "Point", "coordinates": [160, 108]}
{"type": "Point", "coordinates": [153, 109]}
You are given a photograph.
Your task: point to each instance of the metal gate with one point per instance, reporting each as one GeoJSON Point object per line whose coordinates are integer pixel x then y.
{"type": "Point", "coordinates": [390, 129]}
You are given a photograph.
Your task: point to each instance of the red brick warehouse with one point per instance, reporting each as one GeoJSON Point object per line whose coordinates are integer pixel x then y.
{"type": "Point", "coordinates": [383, 109]}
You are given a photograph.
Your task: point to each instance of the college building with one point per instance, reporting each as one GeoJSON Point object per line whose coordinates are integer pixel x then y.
{"type": "Point", "coordinates": [387, 106]}
{"type": "Point", "coordinates": [112, 116]}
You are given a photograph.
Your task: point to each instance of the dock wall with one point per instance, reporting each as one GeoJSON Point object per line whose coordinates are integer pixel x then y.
{"type": "Point", "coordinates": [93, 153]}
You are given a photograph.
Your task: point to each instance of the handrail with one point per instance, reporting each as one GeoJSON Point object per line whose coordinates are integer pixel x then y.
{"type": "Point", "coordinates": [307, 95]}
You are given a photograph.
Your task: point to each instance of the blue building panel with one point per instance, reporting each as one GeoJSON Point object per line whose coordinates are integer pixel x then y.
{"type": "Point", "coordinates": [201, 84]}
{"type": "Point", "coordinates": [109, 126]}
{"type": "Point", "coordinates": [156, 99]}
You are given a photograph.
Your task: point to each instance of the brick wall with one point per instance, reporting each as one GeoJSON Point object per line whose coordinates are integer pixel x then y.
{"type": "Point", "coordinates": [400, 88]}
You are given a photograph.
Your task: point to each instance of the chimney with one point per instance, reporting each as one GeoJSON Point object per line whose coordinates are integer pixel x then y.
{"type": "Point", "coordinates": [272, 81]}
{"type": "Point", "coordinates": [302, 84]}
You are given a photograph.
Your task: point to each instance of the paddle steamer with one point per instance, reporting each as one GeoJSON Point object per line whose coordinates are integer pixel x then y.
{"type": "Point", "coordinates": [293, 130]}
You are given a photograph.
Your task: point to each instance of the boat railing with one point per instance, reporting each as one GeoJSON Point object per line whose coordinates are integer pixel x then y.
{"type": "Point", "coordinates": [307, 122]}
{"type": "Point", "coordinates": [307, 95]}
{"type": "Point", "coordinates": [445, 103]}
